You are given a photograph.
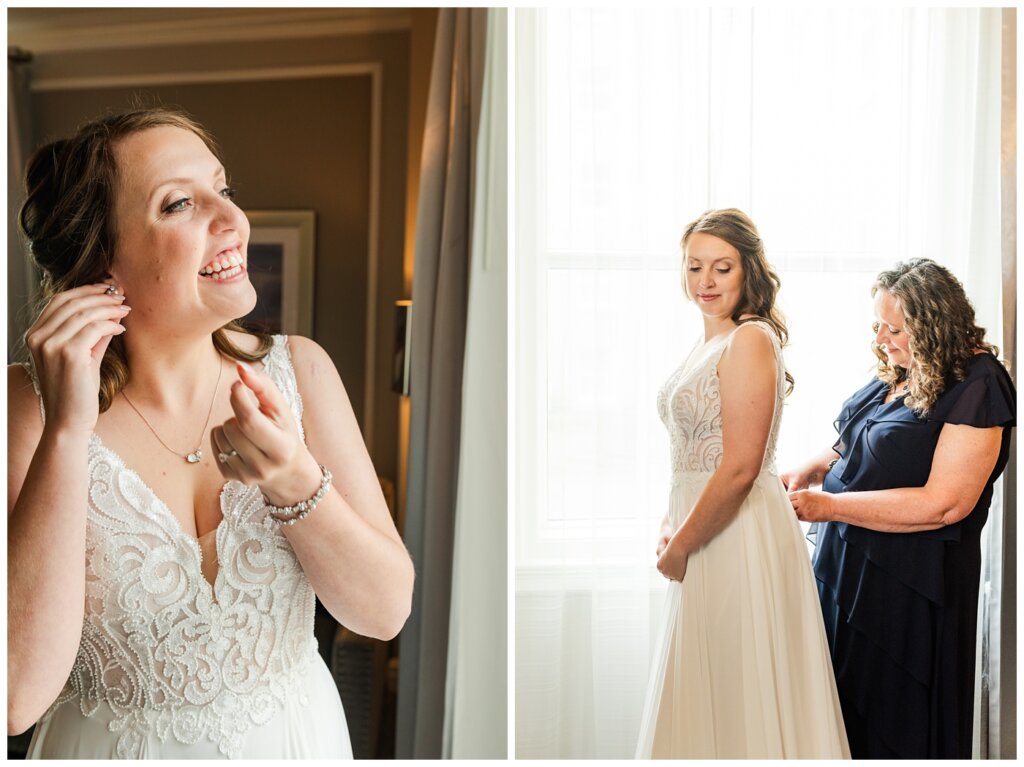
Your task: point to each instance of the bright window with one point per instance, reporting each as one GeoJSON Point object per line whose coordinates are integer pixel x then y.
{"type": "Point", "coordinates": [822, 125]}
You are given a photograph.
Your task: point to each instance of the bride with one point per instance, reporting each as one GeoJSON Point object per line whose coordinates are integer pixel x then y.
{"type": "Point", "coordinates": [742, 667]}
{"type": "Point", "coordinates": [178, 488]}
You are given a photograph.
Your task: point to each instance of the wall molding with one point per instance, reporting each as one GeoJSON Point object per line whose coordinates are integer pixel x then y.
{"type": "Point", "coordinates": [68, 30]}
{"type": "Point", "coordinates": [184, 77]}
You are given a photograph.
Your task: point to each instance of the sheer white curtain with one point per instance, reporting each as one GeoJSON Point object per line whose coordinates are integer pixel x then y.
{"type": "Point", "coordinates": [853, 138]}
{"type": "Point", "coordinates": [476, 688]}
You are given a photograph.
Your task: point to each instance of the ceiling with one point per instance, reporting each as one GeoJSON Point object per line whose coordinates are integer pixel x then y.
{"type": "Point", "coordinates": [51, 30]}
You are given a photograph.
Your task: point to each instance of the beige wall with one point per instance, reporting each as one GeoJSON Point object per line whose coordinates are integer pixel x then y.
{"type": "Point", "coordinates": [296, 143]}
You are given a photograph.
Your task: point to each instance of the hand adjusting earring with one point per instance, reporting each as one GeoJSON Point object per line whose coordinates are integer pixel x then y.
{"type": "Point", "coordinates": [196, 455]}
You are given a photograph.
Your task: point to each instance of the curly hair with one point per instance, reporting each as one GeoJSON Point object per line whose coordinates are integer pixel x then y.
{"type": "Point", "coordinates": [68, 218]}
{"type": "Point", "coordinates": [760, 282]}
{"type": "Point", "coordinates": [941, 331]}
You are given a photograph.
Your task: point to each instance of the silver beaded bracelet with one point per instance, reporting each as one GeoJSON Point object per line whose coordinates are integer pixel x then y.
{"type": "Point", "coordinates": [289, 515]}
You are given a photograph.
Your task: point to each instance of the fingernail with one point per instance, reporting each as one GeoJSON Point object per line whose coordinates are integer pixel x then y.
{"type": "Point", "coordinates": [246, 365]}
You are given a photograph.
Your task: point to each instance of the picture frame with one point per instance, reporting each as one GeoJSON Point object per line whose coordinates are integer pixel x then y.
{"type": "Point", "coordinates": [280, 261]}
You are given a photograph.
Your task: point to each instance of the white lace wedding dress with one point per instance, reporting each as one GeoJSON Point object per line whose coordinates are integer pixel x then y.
{"type": "Point", "coordinates": [742, 667]}
{"type": "Point", "coordinates": [170, 666]}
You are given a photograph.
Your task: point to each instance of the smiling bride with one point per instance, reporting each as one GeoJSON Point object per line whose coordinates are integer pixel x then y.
{"type": "Point", "coordinates": [178, 488]}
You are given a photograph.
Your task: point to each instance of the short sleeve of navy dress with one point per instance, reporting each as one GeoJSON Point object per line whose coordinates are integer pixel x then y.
{"type": "Point", "coordinates": [900, 609]}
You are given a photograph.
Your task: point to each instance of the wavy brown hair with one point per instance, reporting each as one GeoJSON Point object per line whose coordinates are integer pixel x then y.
{"type": "Point", "coordinates": [68, 218]}
{"type": "Point", "coordinates": [760, 282]}
{"type": "Point", "coordinates": [941, 331]}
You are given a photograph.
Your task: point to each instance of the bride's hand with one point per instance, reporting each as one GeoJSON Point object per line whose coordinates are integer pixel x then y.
{"type": "Point", "coordinates": [812, 505]}
{"type": "Point", "coordinates": [664, 537]}
{"type": "Point", "coordinates": [261, 443]}
{"type": "Point", "coordinates": [672, 562]}
{"type": "Point", "coordinates": [67, 343]}
{"type": "Point", "coordinates": [662, 543]}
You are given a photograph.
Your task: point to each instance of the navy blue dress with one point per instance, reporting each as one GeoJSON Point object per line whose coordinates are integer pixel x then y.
{"type": "Point", "coordinates": [900, 609]}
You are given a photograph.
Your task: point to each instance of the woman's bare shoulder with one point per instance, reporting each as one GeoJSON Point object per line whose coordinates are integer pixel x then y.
{"type": "Point", "coordinates": [749, 351]}
{"type": "Point", "coordinates": [22, 400]}
{"type": "Point", "coordinates": [317, 377]}
{"type": "Point", "coordinates": [324, 398]}
{"type": "Point", "coordinates": [751, 338]}
{"type": "Point", "coordinates": [18, 377]}
{"type": "Point", "coordinates": [311, 361]}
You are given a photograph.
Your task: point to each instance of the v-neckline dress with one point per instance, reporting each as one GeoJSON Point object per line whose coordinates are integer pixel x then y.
{"type": "Point", "coordinates": [175, 664]}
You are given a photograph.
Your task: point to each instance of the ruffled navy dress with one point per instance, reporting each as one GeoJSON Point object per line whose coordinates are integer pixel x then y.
{"type": "Point", "coordinates": [901, 609]}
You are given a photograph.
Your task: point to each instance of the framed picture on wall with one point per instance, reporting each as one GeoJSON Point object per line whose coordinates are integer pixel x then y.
{"type": "Point", "coordinates": [280, 264]}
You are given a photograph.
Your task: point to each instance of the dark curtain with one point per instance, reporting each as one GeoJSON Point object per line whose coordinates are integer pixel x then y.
{"type": "Point", "coordinates": [22, 280]}
{"type": "Point", "coordinates": [439, 297]}
{"type": "Point", "coordinates": [1003, 661]}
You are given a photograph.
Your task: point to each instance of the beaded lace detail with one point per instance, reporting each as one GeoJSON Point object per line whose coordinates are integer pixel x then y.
{"type": "Point", "coordinates": [168, 653]}
{"type": "Point", "coordinates": [689, 404]}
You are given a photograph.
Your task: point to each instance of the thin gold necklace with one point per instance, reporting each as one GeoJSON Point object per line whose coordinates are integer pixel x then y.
{"type": "Point", "coordinates": [196, 455]}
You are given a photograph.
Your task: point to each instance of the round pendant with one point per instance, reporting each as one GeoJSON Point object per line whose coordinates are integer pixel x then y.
{"type": "Point", "coordinates": [195, 457]}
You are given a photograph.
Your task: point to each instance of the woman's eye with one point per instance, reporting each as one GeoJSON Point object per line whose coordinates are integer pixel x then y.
{"type": "Point", "coordinates": [228, 192]}
{"type": "Point", "coordinates": [894, 332]}
{"type": "Point", "coordinates": [694, 268]}
{"type": "Point", "coordinates": [723, 271]}
{"type": "Point", "coordinates": [178, 205]}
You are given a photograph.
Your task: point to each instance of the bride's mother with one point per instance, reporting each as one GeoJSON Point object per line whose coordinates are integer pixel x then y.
{"type": "Point", "coordinates": [906, 492]}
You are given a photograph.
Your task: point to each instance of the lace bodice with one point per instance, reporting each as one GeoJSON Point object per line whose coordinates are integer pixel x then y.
{"type": "Point", "coordinates": [689, 404]}
{"type": "Point", "coordinates": [166, 651]}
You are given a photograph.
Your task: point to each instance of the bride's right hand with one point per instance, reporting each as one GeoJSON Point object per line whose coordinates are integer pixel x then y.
{"type": "Point", "coordinates": [67, 343]}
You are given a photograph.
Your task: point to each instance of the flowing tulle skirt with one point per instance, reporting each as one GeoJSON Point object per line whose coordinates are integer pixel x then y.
{"type": "Point", "coordinates": [742, 666]}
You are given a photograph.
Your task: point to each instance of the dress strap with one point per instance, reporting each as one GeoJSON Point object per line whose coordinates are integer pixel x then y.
{"type": "Point", "coordinates": [35, 385]}
{"type": "Point", "coordinates": [278, 365]}
{"type": "Point", "coordinates": [766, 327]}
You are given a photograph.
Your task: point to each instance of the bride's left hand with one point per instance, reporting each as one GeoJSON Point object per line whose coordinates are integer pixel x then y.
{"type": "Point", "coordinates": [812, 505]}
{"type": "Point", "coordinates": [262, 442]}
{"type": "Point", "coordinates": [672, 563]}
